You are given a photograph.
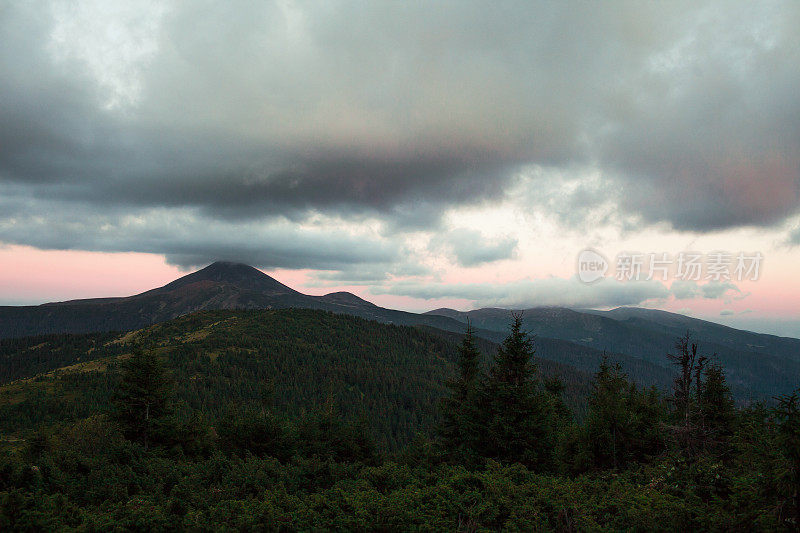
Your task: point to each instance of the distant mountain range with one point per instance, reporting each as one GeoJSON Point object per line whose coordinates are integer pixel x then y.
{"type": "Point", "coordinates": [221, 285]}
{"type": "Point", "coordinates": [758, 365]}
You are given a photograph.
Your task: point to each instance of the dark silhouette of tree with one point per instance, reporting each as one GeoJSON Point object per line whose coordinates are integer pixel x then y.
{"type": "Point", "coordinates": [460, 421]}
{"type": "Point", "coordinates": [142, 400]}
{"type": "Point", "coordinates": [687, 388]}
{"type": "Point", "coordinates": [716, 407]}
{"type": "Point", "coordinates": [787, 414]}
{"type": "Point", "coordinates": [684, 358]}
{"type": "Point", "coordinates": [623, 422]}
{"type": "Point", "coordinates": [519, 420]}
{"type": "Point", "coordinates": [609, 415]}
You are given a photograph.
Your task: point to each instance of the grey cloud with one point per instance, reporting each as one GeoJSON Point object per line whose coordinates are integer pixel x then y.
{"type": "Point", "coordinates": [471, 248]}
{"type": "Point", "coordinates": [190, 240]}
{"type": "Point", "coordinates": [369, 274]}
{"type": "Point", "coordinates": [711, 290]}
{"type": "Point", "coordinates": [355, 276]}
{"type": "Point", "coordinates": [249, 111]}
{"type": "Point", "coordinates": [793, 236]}
{"type": "Point", "coordinates": [712, 139]}
{"type": "Point", "coordinates": [57, 140]}
{"type": "Point", "coordinates": [684, 289]}
{"type": "Point", "coordinates": [718, 289]}
{"type": "Point", "coordinates": [533, 293]}
{"type": "Point", "coordinates": [567, 292]}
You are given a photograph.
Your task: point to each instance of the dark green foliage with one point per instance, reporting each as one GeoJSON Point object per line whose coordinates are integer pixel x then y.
{"type": "Point", "coordinates": [716, 408]}
{"type": "Point", "coordinates": [251, 430]}
{"type": "Point", "coordinates": [226, 450]}
{"type": "Point", "coordinates": [518, 414]}
{"type": "Point", "coordinates": [142, 399]}
{"type": "Point", "coordinates": [787, 414]}
{"type": "Point", "coordinates": [460, 425]}
{"type": "Point", "coordinates": [292, 360]}
{"type": "Point", "coordinates": [623, 424]}
{"type": "Point", "coordinates": [323, 434]}
{"type": "Point", "coordinates": [28, 356]}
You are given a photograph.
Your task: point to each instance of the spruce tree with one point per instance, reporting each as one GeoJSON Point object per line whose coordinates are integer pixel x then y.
{"type": "Point", "coordinates": [787, 418]}
{"type": "Point", "coordinates": [685, 358]}
{"type": "Point", "coordinates": [519, 420]}
{"type": "Point", "coordinates": [459, 426]}
{"type": "Point", "coordinates": [623, 422]}
{"type": "Point", "coordinates": [609, 416]}
{"type": "Point", "coordinates": [142, 400]}
{"type": "Point", "coordinates": [469, 362]}
{"type": "Point", "coordinates": [688, 430]}
{"type": "Point", "coordinates": [716, 405]}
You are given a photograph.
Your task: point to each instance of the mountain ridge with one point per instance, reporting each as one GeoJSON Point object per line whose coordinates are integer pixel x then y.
{"type": "Point", "coordinates": [220, 285]}
{"type": "Point", "coordinates": [759, 364]}
{"type": "Point", "coordinates": [753, 361]}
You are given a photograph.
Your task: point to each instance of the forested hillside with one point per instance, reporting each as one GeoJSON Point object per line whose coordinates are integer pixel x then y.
{"type": "Point", "coordinates": [294, 420]}
{"type": "Point", "coordinates": [294, 359]}
{"type": "Point", "coordinates": [759, 366]}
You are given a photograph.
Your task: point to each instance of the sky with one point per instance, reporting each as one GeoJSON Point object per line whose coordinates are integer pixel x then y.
{"type": "Point", "coordinates": [420, 155]}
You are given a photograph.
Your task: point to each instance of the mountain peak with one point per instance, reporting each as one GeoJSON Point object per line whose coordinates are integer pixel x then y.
{"type": "Point", "coordinates": [228, 269]}
{"type": "Point", "coordinates": [347, 299]}
{"type": "Point", "coordinates": [239, 275]}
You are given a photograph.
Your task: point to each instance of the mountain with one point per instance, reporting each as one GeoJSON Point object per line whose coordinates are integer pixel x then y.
{"type": "Point", "coordinates": [296, 359]}
{"type": "Point", "coordinates": [228, 286]}
{"type": "Point", "coordinates": [676, 324]}
{"type": "Point", "coordinates": [242, 277]}
{"type": "Point", "coordinates": [758, 365]}
{"type": "Point", "coordinates": [221, 285]}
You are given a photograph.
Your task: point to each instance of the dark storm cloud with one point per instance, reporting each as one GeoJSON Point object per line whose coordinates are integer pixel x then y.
{"type": "Point", "coordinates": [188, 240]}
{"type": "Point", "coordinates": [264, 112]}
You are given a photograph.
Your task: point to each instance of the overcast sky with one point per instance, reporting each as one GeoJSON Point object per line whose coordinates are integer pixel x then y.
{"type": "Point", "coordinates": [418, 153]}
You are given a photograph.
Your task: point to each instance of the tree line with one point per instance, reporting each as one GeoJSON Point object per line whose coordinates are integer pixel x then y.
{"type": "Point", "coordinates": [504, 452]}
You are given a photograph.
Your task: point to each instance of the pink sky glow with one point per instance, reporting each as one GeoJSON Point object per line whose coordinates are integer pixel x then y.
{"type": "Point", "coordinates": [29, 276]}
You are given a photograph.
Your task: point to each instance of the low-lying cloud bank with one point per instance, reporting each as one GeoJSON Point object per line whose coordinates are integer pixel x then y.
{"type": "Point", "coordinates": [566, 292]}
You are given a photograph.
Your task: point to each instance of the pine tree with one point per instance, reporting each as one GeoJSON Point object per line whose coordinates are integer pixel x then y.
{"type": "Point", "coordinates": [623, 422]}
{"type": "Point", "coordinates": [609, 416]}
{"type": "Point", "coordinates": [687, 388]}
{"type": "Point", "coordinates": [715, 402]}
{"type": "Point", "coordinates": [142, 400]}
{"type": "Point", "coordinates": [685, 359]}
{"type": "Point", "coordinates": [787, 415]}
{"type": "Point", "coordinates": [519, 418]}
{"type": "Point", "coordinates": [459, 427]}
